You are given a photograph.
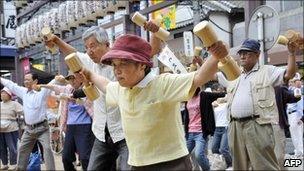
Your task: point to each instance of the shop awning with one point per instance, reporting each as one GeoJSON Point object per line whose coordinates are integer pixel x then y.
{"type": "Point", "coordinates": [8, 51]}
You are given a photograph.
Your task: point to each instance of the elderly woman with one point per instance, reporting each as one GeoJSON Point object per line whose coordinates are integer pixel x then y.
{"type": "Point", "coordinates": [150, 104]}
{"type": "Point", "coordinates": [9, 128]}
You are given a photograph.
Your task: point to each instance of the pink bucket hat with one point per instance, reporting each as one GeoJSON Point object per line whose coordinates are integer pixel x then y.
{"type": "Point", "coordinates": [130, 47]}
{"type": "Point", "coordinates": [7, 91]}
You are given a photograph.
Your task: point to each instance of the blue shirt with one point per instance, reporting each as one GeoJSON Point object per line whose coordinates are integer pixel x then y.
{"type": "Point", "coordinates": [77, 114]}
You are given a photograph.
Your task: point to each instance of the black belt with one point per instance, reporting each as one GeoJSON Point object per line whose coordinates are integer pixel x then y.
{"type": "Point", "coordinates": [245, 118]}
{"type": "Point", "coordinates": [292, 112]}
{"type": "Point", "coordinates": [36, 124]}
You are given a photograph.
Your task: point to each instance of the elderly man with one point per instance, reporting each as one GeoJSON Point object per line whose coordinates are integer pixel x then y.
{"type": "Point", "coordinates": [35, 115]}
{"type": "Point", "coordinates": [252, 108]}
{"type": "Point", "coordinates": [110, 141]}
{"type": "Point", "coordinates": [150, 104]}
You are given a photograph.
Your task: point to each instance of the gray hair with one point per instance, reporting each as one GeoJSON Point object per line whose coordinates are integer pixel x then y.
{"type": "Point", "coordinates": [98, 32]}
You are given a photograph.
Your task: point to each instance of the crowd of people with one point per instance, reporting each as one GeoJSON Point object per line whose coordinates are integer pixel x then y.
{"type": "Point", "coordinates": [137, 121]}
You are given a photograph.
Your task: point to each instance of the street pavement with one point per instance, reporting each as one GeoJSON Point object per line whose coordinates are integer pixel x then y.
{"type": "Point", "coordinates": [289, 150]}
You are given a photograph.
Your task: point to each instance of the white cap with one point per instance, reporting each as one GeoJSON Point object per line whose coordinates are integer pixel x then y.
{"type": "Point", "coordinates": [7, 91]}
{"type": "Point", "coordinates": [297, 77]}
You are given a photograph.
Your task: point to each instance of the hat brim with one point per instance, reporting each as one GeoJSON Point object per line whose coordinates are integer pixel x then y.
{"type": "Point", "coordinates": [10, 94]}
{"type": "Point", "coordinates": [247, 49]}
{"type": "Point", "coordinates": [120, 54]}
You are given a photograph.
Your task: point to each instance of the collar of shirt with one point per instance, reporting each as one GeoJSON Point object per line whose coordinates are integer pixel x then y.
{"type": "Point", "coordinates": [31, 91]}
{"type": "Point", "coordinates": [144, 82]}
{"type": "Point", "coordinates": [255, 68]}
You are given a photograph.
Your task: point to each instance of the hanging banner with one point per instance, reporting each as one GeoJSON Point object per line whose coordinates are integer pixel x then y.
{"type": "Point", "coordinates": [26, 65]}
{"type": "Point", "coordinates": [188, 43]}
{"type": "Point", "coordinates": [10, 20]}
{"type": "Point", "coordinates": [167, 15]}
{"type": "Point", "coordinates": [168, 58]}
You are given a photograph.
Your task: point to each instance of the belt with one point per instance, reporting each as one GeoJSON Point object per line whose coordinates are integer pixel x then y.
{"type": "Point", "coordinates": [292, 112]}
{"type": "Point", "coordinates": [245, 118]}
{"type": "Point", "coordinates": [36, 124]}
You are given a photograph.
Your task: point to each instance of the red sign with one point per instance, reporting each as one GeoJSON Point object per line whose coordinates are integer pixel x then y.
{"type": "Point", "coordinates": [26, 65]}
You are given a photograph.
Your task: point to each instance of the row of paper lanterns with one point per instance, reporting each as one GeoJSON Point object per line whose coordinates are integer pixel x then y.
{"type": "Point", "coordinates": [69, 15]}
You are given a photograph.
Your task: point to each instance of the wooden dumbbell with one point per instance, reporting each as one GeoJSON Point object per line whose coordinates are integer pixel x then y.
{"type": "Point", "coordinates": [197, 51]}
{"type": "Point", "coordinates": [293, 37]}
{"type": "Point", "coordinates": [75, 65]}
{"type": "Point", "coordinates": [141, 20]}
{"type": "Point", "coordinates": [227, 64]}
{"type": "Point", "coordinates": [46, 35]}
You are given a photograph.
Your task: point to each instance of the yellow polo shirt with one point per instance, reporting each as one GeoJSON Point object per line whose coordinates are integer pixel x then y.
{"type": "Point", "coordinates": [151, 117]}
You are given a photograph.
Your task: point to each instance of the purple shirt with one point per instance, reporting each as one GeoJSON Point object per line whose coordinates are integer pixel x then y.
{"type": "Point", "coordinates": [77, 114]}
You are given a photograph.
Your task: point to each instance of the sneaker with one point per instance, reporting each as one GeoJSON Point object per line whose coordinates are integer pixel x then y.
{"type": "Point", "coordinates": [4, 167]}
{"type": "Point", "coordinates": [13, 167]}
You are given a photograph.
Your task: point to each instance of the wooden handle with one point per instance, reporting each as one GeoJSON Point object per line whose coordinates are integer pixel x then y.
{"type": "Point", "coordinates": [282, 40]}
{"type": "Point", "coordinates": [197, 51]}
{"type": "Point", "coordinates": [73, 62]}
{"type": "Point", "coordinates": [46, 33]}
{"type": "Point", "coordinates": [91, 92]}
{"type": "Point", "coordinates": [141, 20]}
{"type": "Point", "coordinates": [229, 67]}
{"type": "Point", "coordinates": [205, 32]}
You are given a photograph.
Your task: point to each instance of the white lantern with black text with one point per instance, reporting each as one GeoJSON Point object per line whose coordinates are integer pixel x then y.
{"type": "Point", "coordinates": [62, 17]}
{"type": "Point", "coordinates": [71, 14]}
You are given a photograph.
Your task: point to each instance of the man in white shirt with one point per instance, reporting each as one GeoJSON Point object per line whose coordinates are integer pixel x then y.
{"type": "Point", "coordinates": [37, 128]}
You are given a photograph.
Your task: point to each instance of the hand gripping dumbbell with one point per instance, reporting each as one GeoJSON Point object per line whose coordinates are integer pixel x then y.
{"type": "Point", "coordinates": [75, 65]}
{"type": "Point", "coordinates": [46, 35]}
{"type": "Point", "coordinates": [291, 36]}
{"type": "Point", "coordinates": [141, 20]}
{"type": "Point", "coordinates": [227, 64]}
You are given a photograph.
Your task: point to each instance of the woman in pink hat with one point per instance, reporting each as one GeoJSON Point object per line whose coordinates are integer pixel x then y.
{"type": "Point", "coordinates": [150, 104]}
{"type": "Point", "coordinates": [9, 128]}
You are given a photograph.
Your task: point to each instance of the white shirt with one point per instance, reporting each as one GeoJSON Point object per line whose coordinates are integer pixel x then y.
{"type": "Point", "coordinates": [242, 103]}
{"type": "Point", "coordinates": [103, 115]}
{"type": "Point", "coordinates": [220, 115]}
{"type": "Point", "coordinates": [34, 103]}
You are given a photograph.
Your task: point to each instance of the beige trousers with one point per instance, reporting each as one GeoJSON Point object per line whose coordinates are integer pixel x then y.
{"type": "Point", "coordinates": [252, 145]}
{"type": "Point", "coordinates": [280, 141]}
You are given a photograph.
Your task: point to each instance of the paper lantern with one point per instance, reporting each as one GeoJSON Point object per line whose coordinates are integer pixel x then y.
{"type": "Point", "coordinates": [99, 8]}
{"type": "Point", "coordinates": [62, 17]}
{"type": "Point", "coordinates": [71, 15]}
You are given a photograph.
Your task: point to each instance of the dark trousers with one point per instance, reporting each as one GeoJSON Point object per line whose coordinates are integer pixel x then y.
{"type": "Point", "coordinates": [183, 163]}
{"type": "Point", "coordinates": [8, 140]}
{"type": "Point", "coordinates": [104, 155]}
{"type": "Point", "coordinates": [78, 138]}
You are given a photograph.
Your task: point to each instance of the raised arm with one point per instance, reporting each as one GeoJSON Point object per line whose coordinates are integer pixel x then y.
{"type": "Point", "coordinates": [15, 88]}
{"type": "Point", "coordinates": [155, 42]}
{"type": "Point", "coordinates": [207, 71]}
{"type": "Point", "coordinates": [99, 81]}
{"type": "Point", "coordinates": [291, 62]}
{"type": "Point", "coordinates": [64, 47]}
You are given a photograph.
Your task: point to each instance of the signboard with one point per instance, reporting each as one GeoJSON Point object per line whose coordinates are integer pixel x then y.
{"type": "Point", "coordinates": [10, 21]}
{"type": "Point", "coordinates": [167, 15]}
{"type": "Point", "coordinates": [168, 58]}
{"type": "Point", "coordinates": [26, 64]}
{"type": "Point", "coordinates": [188, 43]}
{"type": "Point", "coordinates": [39, 66]}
